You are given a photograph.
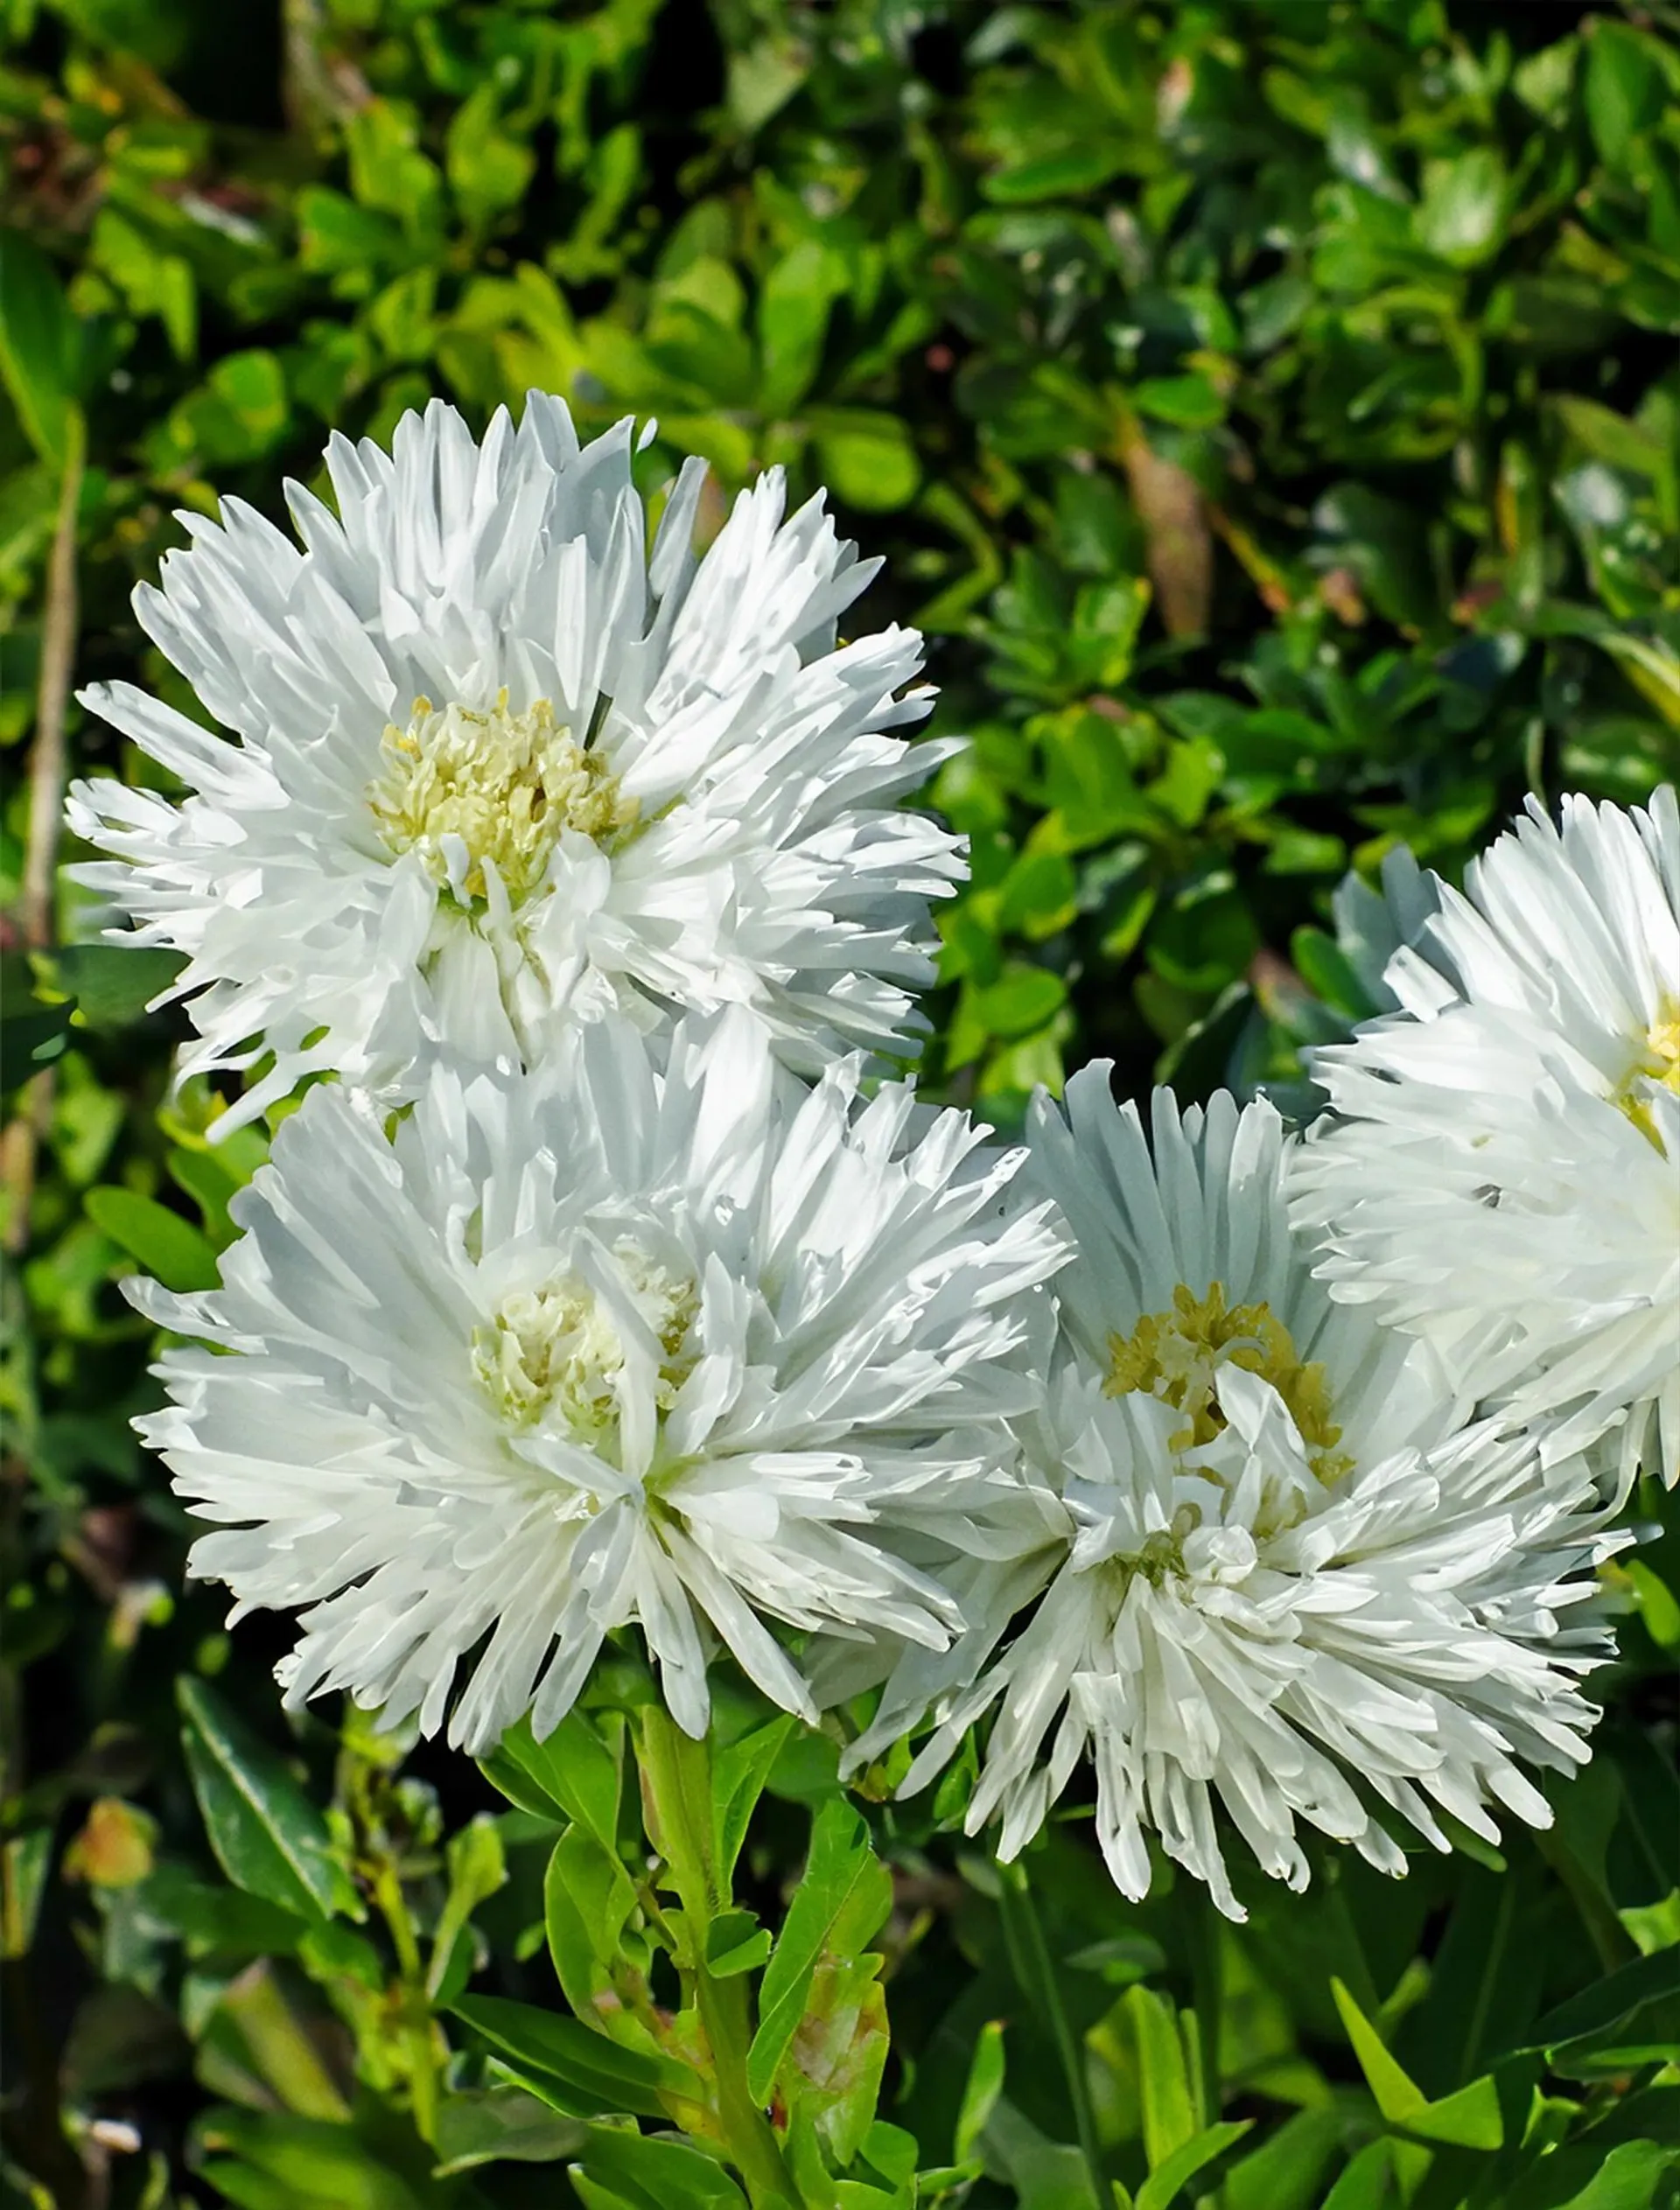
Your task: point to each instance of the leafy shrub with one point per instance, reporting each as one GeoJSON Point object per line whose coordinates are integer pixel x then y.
{"type": "Point", "coordinates": [1271, 414]}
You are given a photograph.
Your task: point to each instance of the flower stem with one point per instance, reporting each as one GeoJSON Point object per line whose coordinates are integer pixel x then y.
{"type": "Point", "coordinates": [416, 2008]}
{"type": "Point", "coordinates": [1037, 1969]}
{"type": "Point", "coordinates": [1205, 1933]}
{"type": "Point", "coordinates": [676, 1779]}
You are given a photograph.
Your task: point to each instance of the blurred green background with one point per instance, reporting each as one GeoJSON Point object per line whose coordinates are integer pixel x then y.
{"type": "Point", "coordinates": [1270, 411]}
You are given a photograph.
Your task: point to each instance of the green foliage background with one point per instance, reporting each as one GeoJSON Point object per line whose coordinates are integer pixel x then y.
{"type": "Point", "coordinates": [1269, 409]}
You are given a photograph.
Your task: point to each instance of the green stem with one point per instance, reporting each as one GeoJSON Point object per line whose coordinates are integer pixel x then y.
{"type": "Point", "coordinates": [1606, 1932]}
{"type": "Point", "coordinates": [1205, 1932]}
{"type": "Point", "coordinates": [1033, 1961]}
{"type": "Point", "coordinates": [1504, 1911]}
{"type": "Point", "coordinates": [677, 1774]}
{"type": "Point", "coordinates": [416, 2006]}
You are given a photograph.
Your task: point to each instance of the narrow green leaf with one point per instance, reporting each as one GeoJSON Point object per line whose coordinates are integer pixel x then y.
{"type": "Point", "coordinates": [180, 1256]}
{"type": "Point", "coordinates": [1370, 2182]}
{"type": "Point", "coordinates": [594, 2196]}
{"type": "Point", "coordinates": [981, 2089]}
{"type": "Point", "coordinates": [1169, 2105]}
{"type": "Point", "coordinates": [1398, 2097]}
{"type": "Point", "coordinates": [1469, 2119]}
{"type": "Point", "coordinates": [1287, 2169]}
{"type": "Point", "coordinates": [842, 1900]}
{"type": "Point", "coordinates": [1609, 2002]}
{"type": "Point", "coordinates": [578, 2071]}
{"type": "Point", "coordinates": [1161, 2187]}
{"type": "Point", "coordinates": [268, 1837]}
{"type": "Point", "coordinates": [1630, 2178]}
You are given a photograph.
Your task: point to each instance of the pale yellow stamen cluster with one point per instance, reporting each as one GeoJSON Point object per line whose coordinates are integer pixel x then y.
{"type": "Point", "coordinates": [506, 784]}
{"type": "Point", "coordinates": [1657, 1061]}
{"type": "Point", "coordinates": [1176, 1356]}
{"type": "Point", "coordinates": [555, 1351]}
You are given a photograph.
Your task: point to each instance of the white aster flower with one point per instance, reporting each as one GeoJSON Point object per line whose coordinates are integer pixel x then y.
{"type": "Point", "coordinates": [1501, 1174]}
{"type": "Point", "coordinates": [1292, 1587]}
{"type": "Point", "coordinates": [595, 1345]}
{"type": "Point", "coordinates": [498, 767]}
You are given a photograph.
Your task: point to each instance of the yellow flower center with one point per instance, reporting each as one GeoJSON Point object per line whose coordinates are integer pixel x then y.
{"type": "Point", "coordinates": [1176, 1357]}
{"type": "Point", "coordinates": [505, 783]}
{"type": "Point", "coordinates": [1657, 1061]}
{"type": "Point", "coordinates": [556, 1351]}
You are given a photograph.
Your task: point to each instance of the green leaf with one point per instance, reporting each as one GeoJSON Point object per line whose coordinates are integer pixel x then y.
{"type": "Point", "coordinates": [844, 1899]}
{"type": "Point", "coordinates": [1610, 436]}
{"type": "Point", "coordinates": [179, 1254]}
{"type": "Point", "coordinates": [588, 1901]}
{"type": "Point", "coordinates": [151, 280]}
{"type": "Point", "coordinates": [204, 1176]}
{"type": "Point", "coordinates": [1328, 972]}
{"type": "Point", "coordinates": [981, 2089]}
{"type": "Point", "coordinates": [25, 1861]}
{"type": "Point", "coordinates": [594, 2196]}
{"type": "Point", "coordinates": [489, 170]}
{"type": "Point", "coordinates": [496, 2124]}
{"type": "Point", "coordinates": [388, 171]}
{"type": "Point", "coordinates": [656, 2174]}
{"type": "Point", "coordinates": [1654, 1926]}
{"type": "Point", "coordinates": [1169, 2108]}
{"type": "Point", "coordinates": [1285, 2171]}
{"type": "Point", "coordinates": [1022, 999]}
{"type": "Point", "coordinates": [1039, 895]}
{"type": "Point", "coordinates": [578, 2072]}
{"type": "Point", "coordinates": [39, 349]}
{"type": "Point", "coordinates": [238, 413]}
{"type": "Point", "coordinates": [1470, 2119]}
{"type": "Point", "coordinates": [1614, 2012]}
{"type": "Point", "coordinates": [1626, 90]}
{"type": "Point", "coordinates": [1369, 2182]}
{"type": "Point", "coordinates": [113, 984]}
{"type": "Point", "coordinates": [1160, 2189]}
{"type": "Point", "coordinates": [1397, 2095]}
{"type": "Point", "coordinates": [570, 1775]}
{"type": "Point", "coordinates": [477, 1868]}
{"type": "Point", "coordinates": [268, 1837]}
{"type": "Point", "coordinates": [738, 1776]}
{"type": "Point", "coordinates": [1659, 1607]}
{"type": "Point", "coordinates": [210, 1919]}
{"type": "Point", "coordinates": [1046, 2174]}
{"type": "Point", "coordinates": [1054, 175]}
{"type": "Point", "coordinates": [868, 460]}
{"type": "Point", "coordinates": [1630, 2178]}
{"type": "Point", "coordinates": [1189, 402]}
{"type": "Point", "coordinates": [793, 317]}
{"type": "Point", "coordinates": [332, 1952]}
{"type": "Point", "coordinates": [307, 2163]}
{"type": "Point", "coordinates": [735, 1942]}
{"type": "Point", "coordinates": [1461, 215]}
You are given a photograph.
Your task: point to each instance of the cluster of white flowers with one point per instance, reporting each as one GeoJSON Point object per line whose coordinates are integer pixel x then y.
{"type": "Point", "coordinates": [614, 1283]}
